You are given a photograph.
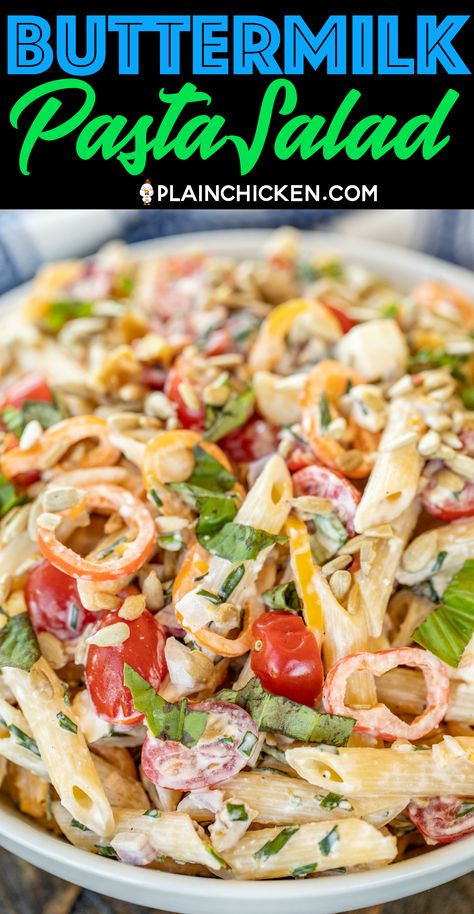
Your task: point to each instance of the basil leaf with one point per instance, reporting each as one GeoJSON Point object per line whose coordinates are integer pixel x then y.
{"type": "Point", "coordinates": [18, 643]}
{"type": "Point", "coordinates": [233, 415]}
{"type": "Point", "coordinates": [62, 311]}
{"type": "Point", "coordinates": [237, 812]}
{"type": "Point", "coordinates": [46, 413]}
{"type": "Point", "coordinates": [153, 813]}
{"type": "Point", "coordinates": [301, 871]}
{"type": "Point", "coordinates": [331, 531]}
{"type": "Point", "coordinates": [214, 513]}
{"type": "Point", "coordinates": [239, 542]}
{"type": "Point", "coordinates": [8, 496]}
{"type": "Point", "coordinates": [333, 801]}
{"type": "Point", "coordinates": [465, 809]}
{"type": "Point", "coordinates": [329, 841]}
{"type": "Point", "coordinates": [229, 585]}
{"type": "Point", "coordinates": [468, 397]}
{"type": "Point", "coordinates": [66, 723]}
{"type": "Point", "coordinates": [283, 596]}
{"type": "Point", "coordinates": [22, 738]}
{"type": "Point", "coordinates": [276, 844]}
{"type": "Point", "coordinates": [165, 720]}
{"type": "Point", "coordinates": [208, 473]}
{"type": "Point", "coordinates": [439, 561]}
{"type": "Point", "coordinates": [276, 714]}
{"type": "Point", "coordinates": [106, 850]}
{"type": "Point", "coordinates": [74, 823]}
{"type": "Point", "coordinates": [246, 747]}
{"type": "Point", "coordinates": [324, 412]}
{"type": "Point", "coordinates": [448, 629]}
{"type": "Point", "coordinates": [438, 358]}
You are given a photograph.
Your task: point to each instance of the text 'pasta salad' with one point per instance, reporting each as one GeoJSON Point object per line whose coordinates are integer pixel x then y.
{"type": "Point", "coordinates": [237, 561]}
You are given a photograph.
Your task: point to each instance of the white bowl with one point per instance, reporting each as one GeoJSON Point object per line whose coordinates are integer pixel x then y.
{"type": "Point", "coordinates": [192, 895]}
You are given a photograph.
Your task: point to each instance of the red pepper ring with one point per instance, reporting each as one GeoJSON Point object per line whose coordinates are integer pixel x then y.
{"type": "Point", "coordinates": [379, 720]}
{"type": "Point", "coordinates": [105, 499]}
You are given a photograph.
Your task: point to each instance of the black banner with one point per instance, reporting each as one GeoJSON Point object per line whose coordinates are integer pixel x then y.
{"type": "Point", "coordinates": [399, 136]}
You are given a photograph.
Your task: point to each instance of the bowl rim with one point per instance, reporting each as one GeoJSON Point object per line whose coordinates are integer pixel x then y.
{"type": "Point", "coordinates": [432, 868]}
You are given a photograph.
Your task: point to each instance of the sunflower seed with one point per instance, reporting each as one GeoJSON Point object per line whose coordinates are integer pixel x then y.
{"type": "Point", "coordinates": [132, 607]}
{"type": "Point", "coordinates": [153, 591]}
{"type": "Point", "coordinates": [340, 582]}
{"type": "Point", "coordinates": [462, 464]}
{"type": "Point", "coordinates": [110, 635]}
{"type": "Point", "coordinates": [62, 498]}
{"type": "Point", "coordinates": [429, 443]}
{"type": "Point", "coordinates": [349, 460]}
{"type": "Point", "coordinates": [353, 545]}
{"type": "Point", "coordinates": [401, 387]}
{"type": "Point", "coordinates": [393, 444]}
{"type": "Point", "coordinates": [189, 395]}
{"type": "Point", "coordinates": [48, 521]}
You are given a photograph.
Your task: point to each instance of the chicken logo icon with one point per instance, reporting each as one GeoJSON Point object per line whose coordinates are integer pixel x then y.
{"type": "Point", "coordinates": [146, 192]}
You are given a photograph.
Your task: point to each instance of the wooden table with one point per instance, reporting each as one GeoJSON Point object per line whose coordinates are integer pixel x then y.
{"type": "Point", "coordinates": [26, 890]}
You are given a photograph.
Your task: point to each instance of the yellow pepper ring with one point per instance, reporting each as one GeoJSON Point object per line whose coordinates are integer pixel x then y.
{"type": "Point", "coordinates": [303, 570]}
{"type": "Point", "coordinates": [270, 343]}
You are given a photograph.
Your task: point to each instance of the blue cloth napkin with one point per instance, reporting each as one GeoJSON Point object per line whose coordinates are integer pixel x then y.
{"type": "Point", "coordinates": [31, 237]}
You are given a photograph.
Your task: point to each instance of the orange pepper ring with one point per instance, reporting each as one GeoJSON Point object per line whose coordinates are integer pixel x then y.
{"type": "Point", "coordinates": [68, 432]}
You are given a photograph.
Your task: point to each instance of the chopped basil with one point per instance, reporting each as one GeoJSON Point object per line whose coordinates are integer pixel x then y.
{"type": "Point", "coordinates": [76, 824]}
{"type": "Point", "coordinates": [468, 397]}
{"type": "Point", "coordinates": [465, 809]}
{"type": "Point", "coordinates": [217, 857]}
{"type": "Point", "coordinates": [124, 285]}
{"type": "Point", "coordinates": [228, 587]}
{"type": "Point", "coordinates": [247, 745]}
{"type": "Point", "coordinates": [237, 812]}
{"type": "Point", "coordinates": [332, 269]}
{"type": "Point", "coordinates": [104, 553]}
{"type": "Point", "coordinates": [234, 414]}
{"type": "Point", "coordinates": [324, 412]}
{"type": "Point", "coordinates": [239, 542]}
{"type": "Point", "coordinates": [276, 714]}
{"type": "Point", "coordinates": [171, 542]}
{"type": "Point", "coordinates": [18, 643]}
{"type": "Point", "coordinates": [47, 414]}
{"type": "Point", "coordinates": [331, 531]}
{"type": "Point", "coordinates": [333, 801]}
{"type": "Point", "coordinates": [156, 498]}
{"type": "Point", "coordinates": [66, 723]}
{"type": "Point", "coordinates": [276, 844]}
{"type": "Point", "coordinates": [438, 358]}
{"type": "Point", "coordinates": [62, 311]}
{"type": "Point", "coordinates": [448, 629]}
{"type": "Point", "coordinates": [439, 561]}
{"type": "Point", "coordinates": [22, 738]}
{"type": "Point", "coordinates": [165, 720]}
{"type": "Point", "coordinates": [329, 841]}
{"type": "Point", "coordinates": [301, 871]}
{"type": "Point", "coordinates": [215, 511]}
{"type": "Point", "coordinates": [209, 473]}
{"type": "Point", "coordinates": [8, 496]}
{"type": "Point", "coordinates": [105, 850]}
{"type": "Point", "coordinates": [153, 813]}
{"type": "Point", "coordinates": [390, 310]}
{"type": "Point", "coordinates": [73, 615]}
{"type": "Point", "coordinates": [283, 596]}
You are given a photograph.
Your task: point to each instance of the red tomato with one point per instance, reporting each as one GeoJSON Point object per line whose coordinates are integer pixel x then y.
{"type": "Point", "coordinates": [54, 604]}
{"type": "Point", "coordinates": [173, 765]}
{"type": "Point", "coordinates": [31, 386]}
{"type": "Point", "coordinates": [153, 376]}
{"type": "Point", "coordinates": [345, 321]}
{"type": "Point", "coordinates": [144, 650]}
{"type": "Point", "coordinates": [333, 485]}
{"type": "Point", "coordinates": [286, 657]}
{"type": "Point", "coordinates": [254, 440]}
{"type": "Point", "coordinates": [188, 417]}
{"type": "Point", "coordinates": [453, 507]}
{"type": "Point", "coordinates": [443, 819]}
{"type": "Point", "coordinates": [299, 457]}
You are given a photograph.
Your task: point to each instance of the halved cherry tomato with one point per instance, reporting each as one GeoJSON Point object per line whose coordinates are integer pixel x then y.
{"type": "Point", "coordinates": [333, 485]}
{"type": "Point", "coordinates": [256, 439]}
{"type": "Point", "coordinates": [144, 650]}
{"type": "Point", "coordinates": [129, 556]}
{"type": "Point", "coordinates": [188, 416]}
{"type": "Point", "coordinates": [54, 603]}
{"type": "Point", "coordinates": [285, 656]}
{"type": "Point", "coordinates": [153, 376]}
{"type": "Point", "coordinates": [213, 759]}
{"type": "Point", "coordinates": [329, 379]}
{"type": "Point", "coordinates": [31, 386]}
{"type": "Point", "coordinates": [453, 507]}
{"type": "Point", "coordinates": [443, 819]}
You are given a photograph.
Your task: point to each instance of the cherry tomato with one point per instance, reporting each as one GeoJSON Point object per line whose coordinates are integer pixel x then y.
{"type": "Point", "coordinates": [345, 321]}
{"type": "Point", "coordinates": [333, 485]}
{"type": "Point", "coordinates": [443, 819]}
{"type": "Point", "coordinates": [285, 656]}
{"type": "Point", "coordinates": [173, 765]}
{"type": "Point", "coordinates": [254, 440]}
{"type": "Point", "coordinates": [453, 507]}
{"type": "Point", "coordinates": [299, 457]}
{"type": "Point", "coordinates": [54, 604]}
{"type": "Point", "coordinates": [153, 376]}
{"type": "Point", "coordinates": [188, 417]}
{"type": "Point", "coordinates": [31, 386]}
{"type": "Point", "coordinates": [144, 650]}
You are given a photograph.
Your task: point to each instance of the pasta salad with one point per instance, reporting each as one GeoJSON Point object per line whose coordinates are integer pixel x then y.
{"type": "Point", "coordinates": [237, 561]}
